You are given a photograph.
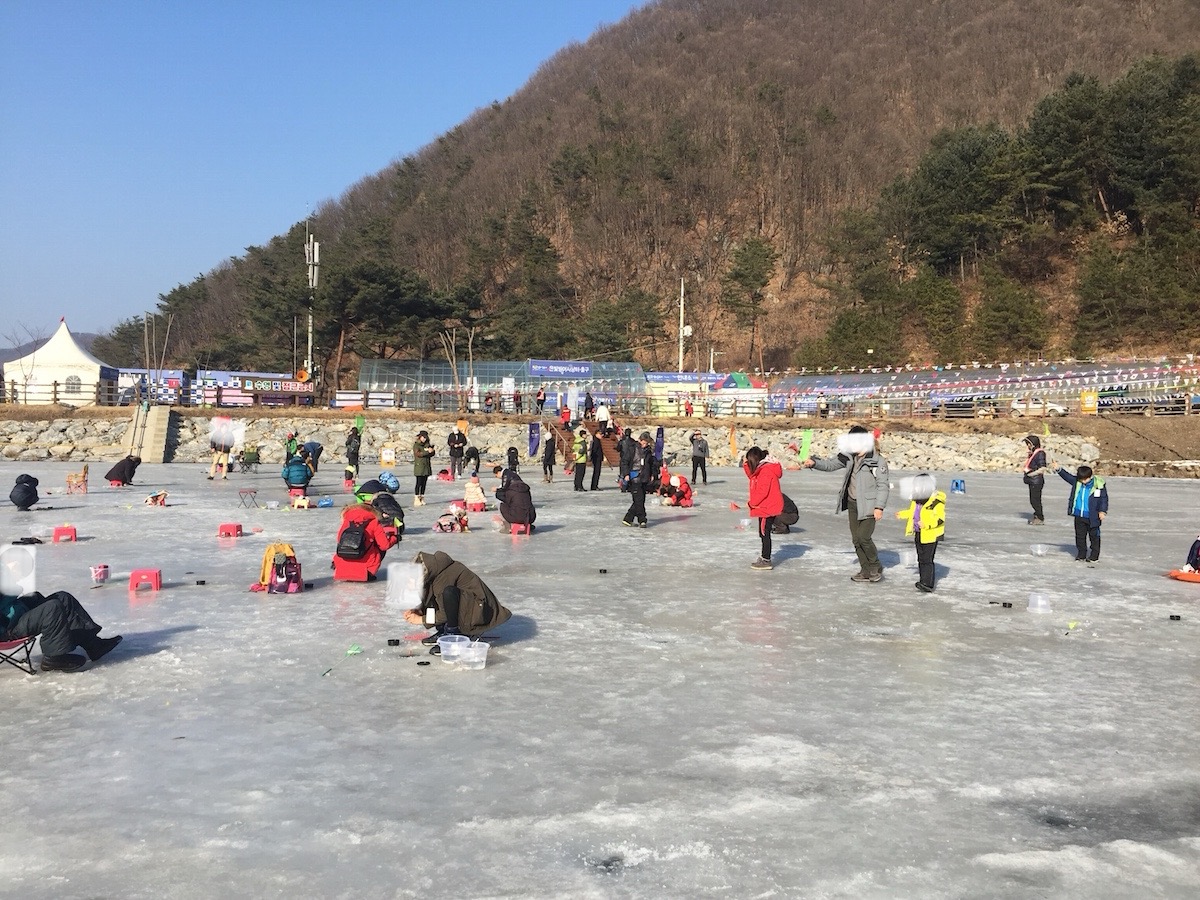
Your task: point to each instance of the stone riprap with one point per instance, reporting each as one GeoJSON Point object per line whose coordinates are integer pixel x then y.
{"type": "Point", "coordinates": [81, 439]}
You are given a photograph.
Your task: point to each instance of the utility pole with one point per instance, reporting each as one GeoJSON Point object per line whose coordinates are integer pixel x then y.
{"type": "Point", "coordinates": [680, 324]}
{"type": "Point", "coordinates": [312, 256]}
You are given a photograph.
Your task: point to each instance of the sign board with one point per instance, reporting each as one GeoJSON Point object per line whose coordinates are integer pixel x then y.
{"type": "Point", "coordinates": [550, 368]}
{"type": "Point", "coordinates": [387, 455]}
{"type": "Point", "coordinates": [1089, 402]}
{"type": "Point", "coordinates": [270, 386]}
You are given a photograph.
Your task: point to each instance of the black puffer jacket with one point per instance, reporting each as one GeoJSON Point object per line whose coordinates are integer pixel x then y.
{"type": "Point", "coordinates": [391, 509]}
{"type": "Point", "coordinates": [124, 470]}
{"type": "Point", "coordinates": [516, 503]}
{"type": "Point", "coordinates": [25, 494]}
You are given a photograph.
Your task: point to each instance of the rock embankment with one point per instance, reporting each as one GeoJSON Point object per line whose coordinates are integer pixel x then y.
{"type": "Point", "coordinates": [81, 439]}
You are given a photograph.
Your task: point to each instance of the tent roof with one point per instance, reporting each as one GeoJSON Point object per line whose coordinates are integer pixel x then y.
{"type": "Point", "coordinates": [61, 350]}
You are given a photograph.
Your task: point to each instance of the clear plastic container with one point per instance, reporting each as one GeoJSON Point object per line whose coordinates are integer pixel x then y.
{"type": "Point", "coordinates": [1039, 603]}
{"type": "Point", "coordinates": [473, 655]}
{"type": "Point", "coordinates": [1039, 549]}
{"type": "Point", "coordinates": [451, 646]}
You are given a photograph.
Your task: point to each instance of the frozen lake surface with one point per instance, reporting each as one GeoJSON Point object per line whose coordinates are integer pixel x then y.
{"type": "Point", "coordinates": [679, 726]}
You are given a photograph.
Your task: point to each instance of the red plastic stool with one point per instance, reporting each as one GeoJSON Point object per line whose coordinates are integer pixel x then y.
{"type": "Point", "coordinates": [113, 484]}
{"type": "Point", "coordinates": [152, 577]}
{"type": "Point", "coordinates": [522, 528]}
{"type": "Point", "coordinates": [347, 484]}
{"type": "Point", "coordinates": [64, 533]}
{"type": "Point", "coordinates": [297, 492]}
{"type": "Point", "coordinates": [229, 529]}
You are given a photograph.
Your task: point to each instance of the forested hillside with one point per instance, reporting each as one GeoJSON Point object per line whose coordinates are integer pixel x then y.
{"type": "Point", "coordinates": [823, 177]}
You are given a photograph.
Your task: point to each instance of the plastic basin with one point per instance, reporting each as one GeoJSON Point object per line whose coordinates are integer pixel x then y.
{"type": "Point", "coordinates": [1039, 603]}
{"type": "Point", "coordinates": [473, 655]}
{"type": "Point", "coordinates": [1039, 549]}
{"type": "Point", "coordinates": [451, 646]}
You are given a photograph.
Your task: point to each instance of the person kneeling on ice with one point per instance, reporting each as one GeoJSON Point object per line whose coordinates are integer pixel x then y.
{"type": "Point", "coordinates": [391, 514]}
{"type": "Point", "coordinates": [455, 601]}
{"type": "Point", "coordinates": [926, 523]}
{"type": "Point", "coordinates": [516, 503]}
{"type": "Point", "coordinates": [124, 470]}
{"type": "Point", "coordinates": [766, 497]}
{"type": "Point", "coordinates": [24, 493]}
{"type": "Point", "coordinates": [677, 492]}
{"type": "Point", "coordinates": [63, 625]}
{"type": "Point", "coordinates": [362, 542]}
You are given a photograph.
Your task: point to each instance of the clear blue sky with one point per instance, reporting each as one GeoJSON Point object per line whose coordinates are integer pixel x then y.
{"type": "Point", "coordinates": [142, 143]}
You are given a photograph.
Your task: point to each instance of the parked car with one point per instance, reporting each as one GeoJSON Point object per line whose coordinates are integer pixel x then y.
{"type": "Point", "coordinates": [964, 407]}
{"type": "Point", "coordinates": [1035, 406]}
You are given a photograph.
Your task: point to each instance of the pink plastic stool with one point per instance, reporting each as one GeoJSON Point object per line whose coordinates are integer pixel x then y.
{"type": "Point", "coordinates": [297, 492]}
{"type": "Point", "coordinates": [347, 484]}
{"type": "Point", "coordinates": [64, 533]}
{"type": "Point", "coordinates": [152, 577]}
{"type": "Point", "coordinates": [519, 528]}
{"type": "Point", "coordinates": [113, 484]}
{"type": "Point", "coordinates": [229, 529]}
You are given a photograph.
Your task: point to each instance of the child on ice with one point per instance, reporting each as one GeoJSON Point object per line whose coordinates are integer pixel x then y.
{"type": "Point", "coordinates": [1088, 505]}
{"type": "Point", "coordinates": [925, 523]}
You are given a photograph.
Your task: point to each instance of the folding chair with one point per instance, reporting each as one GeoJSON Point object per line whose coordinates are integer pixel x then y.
{"type": "Point", "coordinates": [248, 497]}
{"type": "Point", "coordinates": [77, 481]}
{"type": "Point", "coordinates": [16, 653]}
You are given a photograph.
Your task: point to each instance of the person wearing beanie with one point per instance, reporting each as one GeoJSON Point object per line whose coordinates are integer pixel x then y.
{"type": "Point", "coordinates": [24, 493]}
{"type": "Point", "coordinates": [1033, 475]}
{"type": "Point", "coordinates": [863, 495]}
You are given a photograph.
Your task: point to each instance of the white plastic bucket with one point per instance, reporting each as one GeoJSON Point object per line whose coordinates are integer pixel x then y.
{"type": "Point", "coordinates": [99, 574]}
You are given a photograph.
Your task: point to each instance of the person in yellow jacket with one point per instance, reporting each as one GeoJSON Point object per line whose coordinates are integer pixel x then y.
{"type": "Point", "coordinates": [926, 522]}
{"type": "Point", "coordinates": [580, 448]}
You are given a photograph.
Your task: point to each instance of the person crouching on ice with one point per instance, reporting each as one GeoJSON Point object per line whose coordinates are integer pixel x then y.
{"type": "Point", "coordinates": [455, 601]}
{"type": "Point", "coordinates": [363, 539]}
{"type": "Point", "coordinates": [926, 523]}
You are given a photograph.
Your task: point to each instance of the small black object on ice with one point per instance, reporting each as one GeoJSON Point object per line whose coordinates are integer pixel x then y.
{"type": "Point", "coordinates": [308, 585]}
{"type": "Point", "coordinates": [393, 642]}
{"type": "Point", "coordinates": [604, 571]}
{"type": "Point", "coordinates": [1176, 618]}
{"type": "Point", "coordinates": [201, 581]}
{"type": "Point", "coordinates": [1006, 605]}
{"type": "Point", "coordinates": [422, 662]}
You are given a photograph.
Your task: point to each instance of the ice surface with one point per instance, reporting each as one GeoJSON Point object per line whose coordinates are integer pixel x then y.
{"type": "Point", "coordinates": [682, 726]}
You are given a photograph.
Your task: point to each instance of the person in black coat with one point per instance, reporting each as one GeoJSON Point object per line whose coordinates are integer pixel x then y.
{"type": "Point", "coordinates": [548, 454]}
{"type": "Point", "coordinates": [789, 517]}
{"type": "Point", "coordinates": [628, 449]}
{"type": "Point", "coordinates": [24, 494]}
{"type": "Point", "coordinates": [471, 460]}
{"type": "Point", "coordinates": [62, 623]}
{"type": "Point", "coordinates": [516, 503]}
{"type": "Point", "coordinates": [640, 477]}
{"type": "Point", "coordinates": [124, 470]}
{"type": "Point", "coordinates": [353, 448]}
{"type": "Point", "coordinates": [456, 445]}
{"type": "Point", "coordinates": [596, 457]}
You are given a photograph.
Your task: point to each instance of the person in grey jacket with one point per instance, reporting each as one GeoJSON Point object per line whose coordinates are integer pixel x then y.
{"type": "Point", "coordinates": [863, 495]}
{"type": "Point", "coordinates": [699, 456]}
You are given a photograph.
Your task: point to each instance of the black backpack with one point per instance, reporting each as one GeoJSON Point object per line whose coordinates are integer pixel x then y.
{"type": "Point", "coordinates": [353, 541]}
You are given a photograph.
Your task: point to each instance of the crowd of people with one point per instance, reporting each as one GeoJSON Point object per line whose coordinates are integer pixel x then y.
{"type": "Point", "coordinates": [373, 524]}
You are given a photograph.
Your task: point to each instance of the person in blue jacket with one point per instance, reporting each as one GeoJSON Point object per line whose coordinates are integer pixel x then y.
{"type": "Point", "coordinates": [1088, 505]}
{"type": "Point", "coordinates": [296, 473]}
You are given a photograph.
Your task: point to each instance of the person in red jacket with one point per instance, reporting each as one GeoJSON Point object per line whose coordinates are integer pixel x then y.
{"type": "Point", "coordinates": [677, 492]}
{"type": "Point", "coordinates": [766, 497]}
{"type": "Point", "coordinates": [362, 562]}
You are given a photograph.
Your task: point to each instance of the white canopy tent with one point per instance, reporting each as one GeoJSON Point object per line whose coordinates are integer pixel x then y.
{"type": "Point", "coordinates": [60, 371]}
